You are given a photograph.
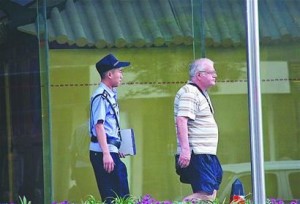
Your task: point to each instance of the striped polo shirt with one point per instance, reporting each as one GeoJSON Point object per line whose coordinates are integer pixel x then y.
{"type": "Point", "coordinates": [202, 127]}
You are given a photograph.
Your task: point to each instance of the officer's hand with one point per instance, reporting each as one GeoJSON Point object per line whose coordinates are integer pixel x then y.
{"type": "Point", "coordinates": [121, 155]}
{"type": "Point", "coordinates": [108, 163]}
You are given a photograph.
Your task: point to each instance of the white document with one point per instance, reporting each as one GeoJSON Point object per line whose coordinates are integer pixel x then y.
{"type": "Point", "coordinates": [128, 143]}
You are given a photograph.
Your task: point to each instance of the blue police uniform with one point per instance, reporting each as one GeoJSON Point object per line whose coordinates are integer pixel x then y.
{"type": "Point", "coordinates": [115, 183]}
{"type": "Point", "coordinates": [102, 110]}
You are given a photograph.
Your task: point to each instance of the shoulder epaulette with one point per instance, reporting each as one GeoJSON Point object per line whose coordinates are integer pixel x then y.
{"type": "Point", "coordinates": [104, 94]}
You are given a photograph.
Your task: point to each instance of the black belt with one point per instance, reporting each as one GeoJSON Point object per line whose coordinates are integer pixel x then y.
{"type": "Point", "coordinates": [114, 142]}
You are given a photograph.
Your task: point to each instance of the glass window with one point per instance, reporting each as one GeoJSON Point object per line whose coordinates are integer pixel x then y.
{"type": "Point", "coordinates": [47, 76]}
{"type": "Point", "coordinates": [294, 181]}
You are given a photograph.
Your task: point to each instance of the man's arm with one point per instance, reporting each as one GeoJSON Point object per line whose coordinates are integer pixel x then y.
{"type": "Point", "coordinates": [182, 135]}
{"type": "Point", "coordinates": [101, 136]}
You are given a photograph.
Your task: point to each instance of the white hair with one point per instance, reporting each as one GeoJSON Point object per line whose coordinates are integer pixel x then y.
{"type": "Point", "coordinates": [199, 65]}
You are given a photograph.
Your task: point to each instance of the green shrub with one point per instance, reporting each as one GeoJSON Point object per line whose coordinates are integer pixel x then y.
{"type": "Point", "coordinates": [24, 200]}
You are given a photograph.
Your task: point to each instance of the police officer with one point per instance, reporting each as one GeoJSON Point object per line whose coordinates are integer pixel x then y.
{"type": "Point", "coordinates": [110, 171]}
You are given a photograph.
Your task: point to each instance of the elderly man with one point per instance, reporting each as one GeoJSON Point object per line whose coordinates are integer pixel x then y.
{"type": "Point", "coordinates": [197, 133]}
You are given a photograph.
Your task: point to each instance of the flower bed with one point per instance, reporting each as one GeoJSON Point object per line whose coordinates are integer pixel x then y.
{"type": "Point", "coordinates": [148, 199]}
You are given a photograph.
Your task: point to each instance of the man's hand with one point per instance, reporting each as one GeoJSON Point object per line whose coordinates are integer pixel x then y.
{"type": "Point", "coordinates": [182, 134]}
{"type": "Point", "coordinates": [108, 162]}
{"type": "Point", "coordinates": [184, 159]}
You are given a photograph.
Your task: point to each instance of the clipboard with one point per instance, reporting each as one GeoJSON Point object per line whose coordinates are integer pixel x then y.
{"type": "Point", "coordinates": [127, 147]}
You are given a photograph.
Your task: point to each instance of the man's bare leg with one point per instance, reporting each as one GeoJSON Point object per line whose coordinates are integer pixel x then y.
{"type": "Point", "coordinates": [201, 196]}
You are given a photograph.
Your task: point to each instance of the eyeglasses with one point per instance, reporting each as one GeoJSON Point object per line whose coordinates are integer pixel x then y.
{"type": "Point", "coordinates": [210, 72]}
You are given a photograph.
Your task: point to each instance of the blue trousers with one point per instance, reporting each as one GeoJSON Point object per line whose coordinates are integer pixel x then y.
{"type": "Point", "coordinates": [204, 173]}
{"type": "Point", "coordinates": [113, 184]}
